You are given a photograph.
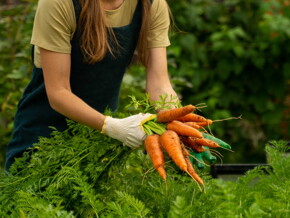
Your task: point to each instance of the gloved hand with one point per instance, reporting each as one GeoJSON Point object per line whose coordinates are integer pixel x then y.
{"type": "Point", "coordinates": [128, 130]}
{"type": "Point", "coordinates": [201, 157]}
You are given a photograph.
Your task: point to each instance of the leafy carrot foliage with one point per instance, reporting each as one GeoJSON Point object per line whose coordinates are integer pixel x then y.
{"type": "Point", "coordinates": [82, 173]}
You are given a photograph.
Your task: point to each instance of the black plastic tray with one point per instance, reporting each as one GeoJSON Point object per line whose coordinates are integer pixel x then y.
{"type": "Point", "coordinates": [232, 169]}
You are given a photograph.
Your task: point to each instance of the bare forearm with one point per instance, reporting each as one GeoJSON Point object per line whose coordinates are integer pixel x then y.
{"type": "Point", "coordinates": [71, 106]}
{"type": "Point", "coordinates": [158, 82]}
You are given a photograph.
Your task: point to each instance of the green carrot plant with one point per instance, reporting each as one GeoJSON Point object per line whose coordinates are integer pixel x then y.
{"type": "Point", "coordinates": [82, 173]}
{"type": "Point", "coordinates": [78, 173]}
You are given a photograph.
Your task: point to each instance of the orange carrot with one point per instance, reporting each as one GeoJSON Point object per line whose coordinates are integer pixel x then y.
{"type": "Point", "coordinates": [192, 118]}
{"type": "Point", "coordinates": [205, 123]}
{"type": "Point", "coordinates": [153, 148]}
{"type": "Point", "coordinates": [171, 143]}
{"type": "Point", "coordinates": [165, 116]}
{"type": "Point", "coordinates": [207, 142]}
{"type": "Point", "coordinates": [191, 143]}
{"type": "Point", "coordinates": [183, 129]}
{"type": "Point", "coordinates": [193, 124]}
{"type": "Point", "coordinates": [191, 171]}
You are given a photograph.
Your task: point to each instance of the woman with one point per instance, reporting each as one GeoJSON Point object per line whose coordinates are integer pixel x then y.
{"type": "Point", "coordinates": [81, 50]}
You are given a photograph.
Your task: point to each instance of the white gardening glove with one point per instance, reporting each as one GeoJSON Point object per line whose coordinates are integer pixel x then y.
{"type": "Point", "coordinates": [128, 130]}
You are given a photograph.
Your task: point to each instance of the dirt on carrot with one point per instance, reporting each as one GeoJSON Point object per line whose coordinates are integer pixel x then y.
{"type": "Point", "coordinates": [191, 143]}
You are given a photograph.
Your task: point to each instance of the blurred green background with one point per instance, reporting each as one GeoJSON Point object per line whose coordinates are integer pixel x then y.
{"type": "Point", "coordinates": [230, 54]}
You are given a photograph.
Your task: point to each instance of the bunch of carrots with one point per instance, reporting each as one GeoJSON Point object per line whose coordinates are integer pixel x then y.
{"type": "Point", "coordinates": [178, 131]}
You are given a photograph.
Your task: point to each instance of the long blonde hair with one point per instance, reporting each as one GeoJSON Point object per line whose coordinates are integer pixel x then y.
{"type": "Point", "coordinates": [95, 33]}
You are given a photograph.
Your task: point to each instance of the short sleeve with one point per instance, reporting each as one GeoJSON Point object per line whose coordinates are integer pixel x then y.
{"type": "Point", "coordinates": [159, 24]}
{"type": "Point", "coordinates": [54, 25]}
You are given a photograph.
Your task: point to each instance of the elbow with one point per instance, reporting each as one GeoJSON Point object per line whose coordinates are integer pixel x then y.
{"type": "Point", "coordinates": [55, 99]}
{"type": "Point", "coordinates": [53, 102]}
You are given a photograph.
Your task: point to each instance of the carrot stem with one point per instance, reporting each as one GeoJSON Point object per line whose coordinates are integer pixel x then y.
{"type": "Point", "coordinates": [230, 118]}
{"type": "Point", "coordinates": [216, 153]}
{"type": "Point", "coordinates": [151, 127]}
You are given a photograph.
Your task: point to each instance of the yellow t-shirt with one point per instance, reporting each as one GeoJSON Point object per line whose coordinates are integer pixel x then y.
{"type": "Point", "coordinates": [55, 24]}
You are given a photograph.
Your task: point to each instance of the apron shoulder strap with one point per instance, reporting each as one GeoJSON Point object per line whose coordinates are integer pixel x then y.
{"type": "Point", "coordinates": [77, 8]}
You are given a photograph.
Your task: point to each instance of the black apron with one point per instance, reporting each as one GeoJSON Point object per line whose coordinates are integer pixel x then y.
{"type": "Point", "coordinates": [97, 84]}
